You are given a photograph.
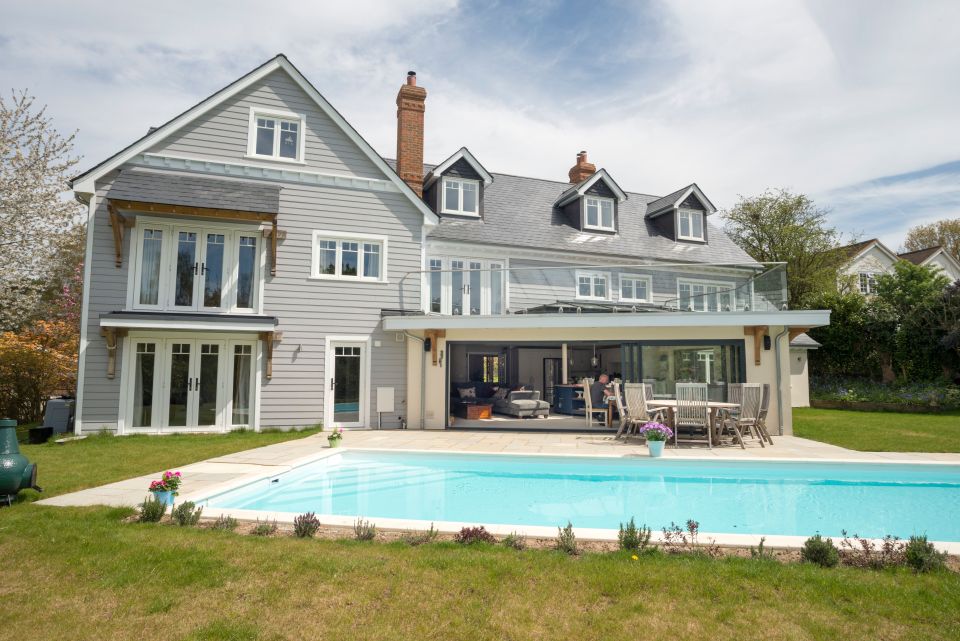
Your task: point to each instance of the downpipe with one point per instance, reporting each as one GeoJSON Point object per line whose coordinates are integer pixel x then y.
{"type": "Point", "coordinates": [776, 358]}
{"type": "Point", "coordinates": [423, 378]}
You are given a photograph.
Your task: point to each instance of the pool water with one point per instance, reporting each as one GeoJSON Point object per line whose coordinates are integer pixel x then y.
{"type": "Point", "coordinates": [737, 497]}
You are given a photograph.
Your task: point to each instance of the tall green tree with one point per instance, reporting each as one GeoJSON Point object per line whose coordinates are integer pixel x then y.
{"type": "Point", "coordinates": [780, 226]}
{"type": "Point", "coordinates": [945, 233]}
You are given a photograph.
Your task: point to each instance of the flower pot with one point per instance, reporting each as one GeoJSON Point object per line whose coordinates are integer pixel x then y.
{"type": "Point", "coordinates": [164, 497]}
{"type": "Point", "coordinates": [656, 448]}
{"type": "Point", "coordinates": [334, 442]}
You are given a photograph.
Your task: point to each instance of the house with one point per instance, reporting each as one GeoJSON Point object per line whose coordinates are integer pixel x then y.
{"type": "Point", "coordinates": [869, 258]}
{"type": "Point", "coordinates": [254, 262]}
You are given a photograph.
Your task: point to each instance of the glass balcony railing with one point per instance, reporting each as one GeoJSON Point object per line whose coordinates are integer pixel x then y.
{"type": "Point", "coordinates": [470, 287]}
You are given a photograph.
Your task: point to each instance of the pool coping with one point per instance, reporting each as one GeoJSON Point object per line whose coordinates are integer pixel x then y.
{"type": "Point", "coordinates": [532, 531]}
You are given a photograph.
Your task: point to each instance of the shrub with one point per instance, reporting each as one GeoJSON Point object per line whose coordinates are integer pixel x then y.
{"type": "Point", "coordinates": [470, 535]}
{"type": "Point", "coordinates": [366, 531]}
{"type": "Point", "coordinates": [187, 514]}
{"type": "Point", "coordinates": [566, 539]}
{"type": "Point", "coordinates": [864, 553]}
{"type": "Point", "coordinates": [677, 540]}
{"type": "Point", "coordinates": [152, 510]}
{"type": "Point", "coordinates": [306, 525]}
{"type": "Point", "coordinates": [920, 555]}
{"type": "Point", "coordinates": [264, 529]}
{"type": "Point", "coordinates": [515, 541]}
{"type": "Point", "coordinates": [761, 553]}
{"type": "Point", "coordinates": [820, 551]}
{"type": "Point", "coordinates": [224, 523]}
{"type": "Point", "coordinates": [633, 539]}
{"type": "Point", "coordinates": [419, 538]}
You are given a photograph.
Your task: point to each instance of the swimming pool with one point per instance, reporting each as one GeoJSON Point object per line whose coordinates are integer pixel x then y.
{"type": "Point", "coordinates": [732, 497]}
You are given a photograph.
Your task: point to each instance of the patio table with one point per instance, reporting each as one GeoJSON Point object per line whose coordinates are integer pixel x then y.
{"type": "Point", "coordinates": [670, 404]}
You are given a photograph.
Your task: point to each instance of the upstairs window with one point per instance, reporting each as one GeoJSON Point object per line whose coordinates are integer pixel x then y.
{"type": "Point", "coordinates": [701, 296]}
{"type": "Point", "coordinates": [599, 214]}
{"type": "Point", "coordinates": [275, 135]}
{"type": "Point", "coordinates": [635, 289]}
{"type": "Point", "coordinates": [868, 283]}
{"type": "Point", "coordinates": [593, 285]}
{"type": "Point", "coordinates": [349, 258]}
{"type": "Point", "coordinates": [690, 225]}
{"type": "Point", "coordinates": [461, 197]}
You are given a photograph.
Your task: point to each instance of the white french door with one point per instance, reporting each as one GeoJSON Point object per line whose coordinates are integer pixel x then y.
{"type": "Point", "coordinates": [198, 269]}
{"type": "Point", "coordinates": [469, 286]}
{"type": "Point", "coordinates": [183, 384]}
{"type": "Point", "coordinates": [347, 397]}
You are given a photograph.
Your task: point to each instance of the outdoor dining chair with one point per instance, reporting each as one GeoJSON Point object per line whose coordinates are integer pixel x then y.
{"type": "Point", "coordinates": [692, 414]}
{"type": "Point", "coordinates": [589, 410]}
{"type": "Point", "coordinates": [648, 392]}
{"type": "Point", "coordinates": [637, 410]}
{"type": "Point", "coordinates": [762, 417]}
{"type": "Point", "coordinates": [744, 420]}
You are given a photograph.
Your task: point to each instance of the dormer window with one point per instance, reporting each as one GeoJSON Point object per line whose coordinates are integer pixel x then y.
{"type": "Point", "coordinates": [460, 196]}
{"type": "Point", "coordinates": [599, 213]}
{"type": "Point", "coordinates": [690, 225]}
{"type": "Point", "coordinates": [275, 135]}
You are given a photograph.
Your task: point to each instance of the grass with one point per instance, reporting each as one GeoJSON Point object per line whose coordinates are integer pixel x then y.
{"type": "Point", "coordinates": [880, 431]}
{"type": "Point", "coordinates": [82, 573]}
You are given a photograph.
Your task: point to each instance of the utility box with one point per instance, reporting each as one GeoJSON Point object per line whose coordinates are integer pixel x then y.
{"type": "Point", "coordinates": [385, 399]}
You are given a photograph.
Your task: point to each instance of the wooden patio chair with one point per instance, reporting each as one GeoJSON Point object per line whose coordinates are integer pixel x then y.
{"type": "Point", "coordinates": [744, 420]}
{"type": "Point", "coordinates": [589, 410]}
{"type": "Point", "coordinates": [637, 410]}
{"type": "Point", "coordinates": [761, 424]}
{"type": "Point", "coordinates": [648, 392]}
{"type": "Point", "coordinates": [692, 414]}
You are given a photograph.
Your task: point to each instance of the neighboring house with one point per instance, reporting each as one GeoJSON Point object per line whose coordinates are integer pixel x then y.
{"type": "Point", "coordinates": [255, 263]}
{"type": "Point", "coordinates": [870, 258]}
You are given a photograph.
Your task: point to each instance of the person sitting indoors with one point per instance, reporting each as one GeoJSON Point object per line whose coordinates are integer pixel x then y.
{"type": "Point", "coordinates": [599, 391]}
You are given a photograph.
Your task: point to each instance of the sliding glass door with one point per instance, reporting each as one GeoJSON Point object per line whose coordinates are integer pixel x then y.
{"type": "Point", "coordinates": [663, 365]}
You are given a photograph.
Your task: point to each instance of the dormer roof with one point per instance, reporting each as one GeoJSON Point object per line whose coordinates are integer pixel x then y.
{"type": "Point", "coordinates": [465, 155]}
{"type": "Point", "coordinates": [672, 202]}
{"type": "Point", "coordinates": [581, 188]}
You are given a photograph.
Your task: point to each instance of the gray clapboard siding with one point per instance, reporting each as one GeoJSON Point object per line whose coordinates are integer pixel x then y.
{"type": "Point", "coordinates": [222, 132]}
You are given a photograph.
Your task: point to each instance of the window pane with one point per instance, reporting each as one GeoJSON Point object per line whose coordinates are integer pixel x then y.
{"type": "Point", "coordinates": [247, 260]}
{"type": "Point", "coordinates": [143, 385]}
{"type": "Point", "coordinates": [592, 215]}
{"type": "Point", "coordinates": [626, 289]}
{"type": "Point", "coordinates": [213, 276]}
{"type": "Point", "coordinates": [180, 384]}
{"type": "Point", "coordinates": [457, 287]}
{"type": "Point", "coordinates": [265, 132]}
{"type": "Point", "coordinates": [186, 268]}
{"type": "Point", "coordinates": [470, 197]}
{"type": "Point", "coordinates": [208, 384]}
{"type": "Point", "coordinates": [150, 267]}
{"type": "Point", "coordinates": [328, 256]}
{"type": "Point", "coordinates": [584, 286]}
{"type": "Point", "coordinates": [289, 136]}
{"type": "Point", "coordinates": [242, 365]}
{"type": "Point", "coordinates": [697, 220]}
{"type": "Point", "coordinates": [496, 288]}
{"type": "Point", "coordinates": [606, 211]}
{"type": "Point", "coordinates": [684, 223]}
{"type": "Point", "coordinates": [685, 302]}
{"type": "Point", "coordinates": [371, 260]}
{"type": "Point", "coordinates": [348, 258]}
{"type": "Point", "coordinates": [435, 284]}
{"type": "Point", "coordinates": [600, 286]}
{"type": "Point", "coordinates": [666, 365]}
{"type": "Point", "coordinates": [451, 195]}
{"type": "Point", "coordinates": [641, 289]}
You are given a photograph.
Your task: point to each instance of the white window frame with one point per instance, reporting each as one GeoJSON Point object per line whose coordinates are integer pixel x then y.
{"type": "Point", "coordinates": [600, 226]}
{"type": "Point", "coordinates": [646, 280]}
{"type": "Point", "coordinates": [871, 282]}
{"type": "Point", "coordinates": [726, 287]}
{"type": "Point", "coordinates": [446, 207]}
{"type": "Point", "coordinates": [278, 115]}
{"type": "Point", "coordinates": [593, 276]}
{"type": "Point", "coordinates": [487, 266]}
{"type": "Point", "coordinates": [340, 238]}
{"type": "Point", "coordinates": [228, 295]}
{"type": "Point", "coordinates": [690, 213]}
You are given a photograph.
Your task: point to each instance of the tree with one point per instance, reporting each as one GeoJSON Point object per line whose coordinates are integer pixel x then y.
{"type": "Point", "coordinates": [945, 233]}
{"type": "Point", "coordinates": [35, 161]}
{"type": "Point", "coordinates": [779, 226]}
{"type": "Point", "coordinates": [36, 363]}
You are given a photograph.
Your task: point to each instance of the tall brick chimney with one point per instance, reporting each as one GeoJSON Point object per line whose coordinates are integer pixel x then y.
{"type": "Point", "coordinates": [410, 108]}
{"type": "Point", "coordinates": [582, 170]}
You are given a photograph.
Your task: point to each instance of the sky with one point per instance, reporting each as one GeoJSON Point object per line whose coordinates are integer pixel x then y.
{"type": "Point", "coordinates": [855, 103]}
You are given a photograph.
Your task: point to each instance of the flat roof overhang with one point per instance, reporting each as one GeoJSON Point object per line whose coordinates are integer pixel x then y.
{"type": "Point", "coordinates": [806, 318]}
{"type": "Point", "coordinates": [189, 321]}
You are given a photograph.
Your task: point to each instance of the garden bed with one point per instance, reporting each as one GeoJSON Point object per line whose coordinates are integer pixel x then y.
{"type": "Point", "coordinates": [875, 406]}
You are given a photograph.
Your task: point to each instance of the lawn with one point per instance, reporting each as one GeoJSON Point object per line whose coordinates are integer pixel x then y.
{"type": "Point", "coordinates": [880, 431]}
{"type": "Point", "coordinates": [82, 573]}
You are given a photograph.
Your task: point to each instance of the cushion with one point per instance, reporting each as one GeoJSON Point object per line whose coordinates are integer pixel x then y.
{"type": "Point", "coordinates": [501, 393]}
{"type": "Point", "coordinates": [468, 392]}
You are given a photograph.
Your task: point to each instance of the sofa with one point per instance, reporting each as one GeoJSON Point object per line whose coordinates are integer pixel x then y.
{"type": "Point", "coordinates": [519, 403]}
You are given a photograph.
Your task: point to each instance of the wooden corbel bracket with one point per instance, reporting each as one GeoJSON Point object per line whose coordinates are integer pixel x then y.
{"type": "Point", "coordinates": [119, 223]}
{"type": "Point", "coordinates": [112, 336]}
{"type": "Point", "coordinates": [269, 338]}
{"type": "Point", "coordinates": [758, 332]}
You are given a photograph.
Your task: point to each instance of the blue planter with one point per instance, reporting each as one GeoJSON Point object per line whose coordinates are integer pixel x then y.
{"type": "Point", "coordinates": [164, 497]}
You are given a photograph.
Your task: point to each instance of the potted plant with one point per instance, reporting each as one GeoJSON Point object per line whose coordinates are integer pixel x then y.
{"type": "Point", "coordinates": [335, 437]}
{"type": "Point", "coordinates": [166, 488]}
{"type": "Point", "coordinates": [656, 435]}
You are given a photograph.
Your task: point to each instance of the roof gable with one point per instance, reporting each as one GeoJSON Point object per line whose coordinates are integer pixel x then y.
{"type": "Point", "coordinates": [84, 183]}
{"type": "Point", "coordinates": [462, 155]}
{"type": "Point", "coordinates": [674, 201]}
{"type": "Point", "coordinates": [857, 250]}
{"type": "Point", "coordinates": [585, 186]}
{"type": "Point", "coordinates": [921, 256]}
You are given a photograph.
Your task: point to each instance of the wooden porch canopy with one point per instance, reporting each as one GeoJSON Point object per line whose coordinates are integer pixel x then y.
{"type": "Point", "coordinates": [140, 191]}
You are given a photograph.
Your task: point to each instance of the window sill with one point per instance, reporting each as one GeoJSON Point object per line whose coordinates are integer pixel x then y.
{"type": "Point", "coordinates": [608, 230]}
{"type": "Point", "coordinates": [463, 214]}
{"type": "Point", "coordinates": [634, 300]}
{"type": "Point", "coordinates": [286, 161]}
{"type": "Point", "coordinates": [692, 239]}
{"type": "Point", "coordinates": [349, 279]}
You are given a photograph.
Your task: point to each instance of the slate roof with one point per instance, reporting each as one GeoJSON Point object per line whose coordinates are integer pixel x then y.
{"type": "Point", "coordinates": [668, 200]}
{"type": "Point", "coordinates": [179, 189]}
{"type": "Point", "coordinates": [919, 256]}
{"type": "Point", "coordinates": [519, 212]}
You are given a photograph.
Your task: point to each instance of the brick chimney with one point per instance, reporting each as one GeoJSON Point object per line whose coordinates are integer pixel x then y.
{"type": "Point", "coordinates": [410, 107]}
{"type": "Point", "coordinates": [582, 170]}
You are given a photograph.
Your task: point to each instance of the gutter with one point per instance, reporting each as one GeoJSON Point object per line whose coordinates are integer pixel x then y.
{"type": "Point", "coordinates": [776, 357]}
{"type": "Point", "coordinates": [423, 378]}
